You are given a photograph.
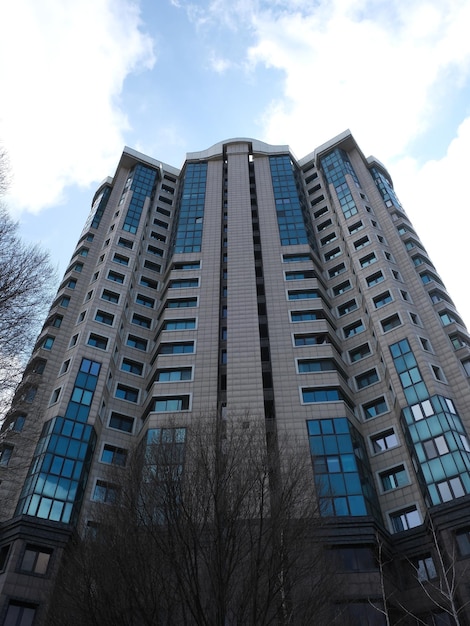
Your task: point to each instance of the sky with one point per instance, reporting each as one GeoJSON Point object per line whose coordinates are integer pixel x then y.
{"type": "Point", "coordinates": [80, 79]}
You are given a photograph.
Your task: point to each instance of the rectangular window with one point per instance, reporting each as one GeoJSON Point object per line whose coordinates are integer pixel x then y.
{"type": "Point", "coordinates": [347, 307]}
{"type": "Point", "coordinates": [361, 243]}
{"type": "Point", "coordinates": [384, 441]}
{"type": "Point", "coordinates": [140, 320]}
{"type": "Point", "coordinates": [122, 260]}
{"type": "Point", "coordinates": [450, 489]}
{"type": "Point", "coordinates": [115, 277]}
{"type": "Point", "coordinates": [133, 367]}
{"type": "Point", "coordinates": [354, 228]}
{"type": "Point", "coordinates": [390, 323]}
{"type": "Point", "coordinates": [375, 407]}
{"type": "Point", "coordinates": [153, 267]}
{"type": "Point", "coordinates": [188, 265]}
{"type": "Point", "coordinates": [145, 301]}
{"type": "Point", "coordinates": [305, 366]}
{"type": "Point", "coordinates": [110, 296]}
{"type": "Point", "coordinates": [182, 324]}
{"type": "Point", "coordinates": [72, 283]}
{"type": "Point", "coordinates": [437, 446]}
{"type": "Point", "coordinates": [368, 260]}
{"type": "Point", "coordinates": [300, 275]}
{"type": "Point", "coordinates": [164, 404]}
{"type": "Point", "coordinates": [354, 329]}
{"type": "Point", "coordinates": [35, 560]}
{"type": "Point", "coordinates": [328, 239]}
{"type": "Point", "coordinates": [181, 303]}
{"type": "Point", "coordinates": [48, 342]}
{"type": "Point", "coordinates": [424, 568]}
{"type": "Point", "coordinates": [462, 537]}
{"type": "Point", "coordinates": [125, 243]}
{"type": "Point", "coordinates": [174, 374]}
{"type": "Point", "coordinates": [127, 393]}
{"type": "Point", "coordinates": [113, 455]}
{"type": "Point", "coordinates": [105, 492]}
{"type": "Point", "coordinates": [305, 294]}
{"type": "Point", "coordinates": [405, 519]}
{"type": "Point", "coordinates": [310, 339]}
{"type": "Point", "coordinates": [306, 316]}
{"type": "Point", "coordinates": [337, 270]}
{"type": "Point", "coordinates": [97, 341]}
{"type": "Point", "coordinates": [333, 254]}
{"type": "Point", "coordinates": [136, 342]}
{"type": "Point", "coordinates": [375, 279]}
{"type": "Point", "coordinates": [154, 250]}
{"type": "Point", "coordinates": [382, 299]}
{"type": "Point", "coordinates": [121, 422]}
{"type": "Point", "coordinates": [359, 353]}
{"type": "Point", "coordinates": [104, 318]}
{"type": "Point", "coordinates": [5, 454]}
{"type": "Point", "coordinates": [148, 282]}
{"type": "Point", "coordinates": [342, 288]}
{"type": "Point", "coordinates": [177, 348]}
{"type": "Point", "coordinates": [367, 378]}
{"type": "Point", "coordinates": [182, 283]}
{"type": "Point", "coordinates": [329, 394]}
{"type": "Point", "coordinates": [64, 302]}
{"type": "Point", "coordinates": [393, 478]}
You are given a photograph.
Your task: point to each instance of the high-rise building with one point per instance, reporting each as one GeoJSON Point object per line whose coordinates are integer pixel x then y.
{"type": "Point", "coordinates": [250, 282]}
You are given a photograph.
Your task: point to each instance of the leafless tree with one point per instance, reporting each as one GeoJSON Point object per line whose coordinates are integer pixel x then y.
{"type": "Point", "coordinates": [26, 281]}
{"type": "Point", "coordinates": [205, 527]}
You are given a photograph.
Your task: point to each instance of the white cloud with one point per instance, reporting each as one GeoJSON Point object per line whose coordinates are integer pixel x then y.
{"type": "Point", "coordinates": [60, 118]}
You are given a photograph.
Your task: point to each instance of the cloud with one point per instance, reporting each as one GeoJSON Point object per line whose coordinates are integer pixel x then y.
{"type": "Point", "coordinates": [60, 118]}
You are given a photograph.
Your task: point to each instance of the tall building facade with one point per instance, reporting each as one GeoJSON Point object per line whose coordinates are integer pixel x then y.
{"type": "Point", "coordinates": [250, 283]}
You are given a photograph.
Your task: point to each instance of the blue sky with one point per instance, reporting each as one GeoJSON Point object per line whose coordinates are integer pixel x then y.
{"type": "Point", "coordinates": [82, 78]}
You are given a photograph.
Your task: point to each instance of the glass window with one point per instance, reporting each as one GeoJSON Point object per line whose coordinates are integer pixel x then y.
{"type": "Point", "coordinates": [133, 367]}
{"type": "Point", "coordinates": [424, 568]}
{"type": "Point", "coordinates": [393, 478]}
{"type": "Point", "coordinates": [6, 451]}
{"type": "Point", "coordinates": [20, 614]}
{"type": "Point", "coordinates": [391, 322]}
{"type": "Point", "coordinates": [104, 318]}
{"type": "Point", "coordinates": [405, 519]}
{"type": "Point", "coordinates": [122, 260]}
{"type": "Point", "coordinates": [105, 492]}
{"type": "Point", "coordinates": [347, 307]}
{"type": "Point", "coordinates": [173, 374]}
{"type": "Point", "coordinates": [462, 537]}
{"type": "Point", "coordinates": [35, 559]}
{"type": "Point", "coordinates": [115, 277]}
{"type": "Point", "coordinates": [368, 260]}
{"type": "Point", "coordinates": [97, 341]}
{"type": "Point", "coordinates": [136, 342]}
{"type": "Point", "coordinates": [375, 407]}
{"type": "Point", "coordinates": [303, 295]}
{"type": "Point", "coordinates": [110, 296]}
{"type": "Point", "coordinates": [384, 441]}
{"type": "Point", "coordinates": [367, 378]}
{"type": "Point", "coordinates": [359, 353]}
{"type": "Point", "coordinates": [145, 301]}
{"type": "Point", "coordinates": [335, 271]}
{"type": "Point", "coordinates": [113, 455]}
{"type": "Point", "coordinates": [382, 299]}
{"type": "Point", "coordinates": [177, 348]}
{"type": "Point", "coordinates": [171, 403]}
{"type": "Point", "coordinates": [353, 329]}
{"type": "Point", "coordinates": [48, 342]}
{"type": "Point", "coordinates": [121, 422]}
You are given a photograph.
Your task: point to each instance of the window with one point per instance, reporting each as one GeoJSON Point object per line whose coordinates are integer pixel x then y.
{"type": "Point", "coordinates": [333, 254]}
{"type": "Point", "coordinates": [57, 321]}
{"type": "Point", "coordinates": [310, 339]}
{"type": "Point", "coordinates": [105, 492]}
{"type": "Point", "coordinates": [324, 225]}
{"type": "Point", "coordinates": [354, 329]}
{"type": "Point", "coordinates": [55, 395]}
{"type": "Point", "coordinates": [356, 558]}
{"type": "Point", "coordinates": [115, 277]}
{"type": "Point", "coordinates": [354, 228]}
{"type": "Point", "coordinates": [104, 318]}
{"type": "Point", "coordinates": [342, 288]}
{"type": "Point", "coordinates": [125, 243]}
{"type": "Point", "coordinates": [154, 250]}
{"type": "Point", "coordinates": [328, 239]}
{"type": "Point", "coordinates": [466, 366]}
{"type": "Point", "coordinates": [35, 560]}
{"type": "Point", "coordinates": [393, 478]}
{"type": "Point", "coordinates": [136, 342]}
{"type": "Point", "coordinates": [368, 260]}
{"type": "Point", "coordinates": [458, 341]}
{"type": "Point", "coordinates": [390, 323]}
{"type": "Point", "coordinates": [188, 265]}
{"type": "Point", "coordinates": [142, 321]}
{"type": "Point", "coordinates": [84, 252]}
{"type": "Point", "coordinates": [361, 243]}
{"type": "Point", "coordinates": [148, 282]}
{"type": "Point", "coordinates": [97, 341]}
{"type": "Point", "coordinates": [181, 303]}
{"type": "Point", "coordinates": [375, 279]}
{"type": "Point", "coordinates": [450, 489]}
{"type": "Point", "coordinates": [171, 375]}
{"type": "Point", "coordinates": [300, 275]}
{"type": "Point", "coordinates": [145, 301]}
{"type": "Point", "coordinates": [4, 551]}
{"type": "Point", "coordinates": [133, 367]}
{"type": "Point", "coordinates": [359, 353]}
{"type": "Point", "coordinates": [177, 348]}
{"type": "Point", "coordinates": [121, 422]}
{"type": "Point", "coordinates": [328, 394]}
{"type": "Point", "coordinates": [127, 393]}
{"type": "Point", "coordinates": [462, 537]}
{"type": "Point", "coordinates": [17, 423]}
{"type": "Point", "coordinates": [337, 270]}
{"type": "Point", "coordinates": [405, 519]}
{"type": "Point", "coordinates": [382, 299]}
{"type": "Point", "coordinates": [375, 407]}
{"type": "Point", "coordinates": [305, 366]}
{"type": "Point", "coordinates": [48, 342]}
{"type": "Point", "coordinates": [164, 404]}
{"type": "Point", "coordinates": [306, 294]}
{"type": "Point", "coordinates": [122, 260]}
{"type": "Point", "coordinates": [20, 614]}
{"type": "Point", "coordinates": [435, 447]}
{"type": "Point", "coordinates": [384, 441]}
{"type": "Point", "coordinates": [182, 283]}
{"type": "Point", "coordinates": [64, 302]}
{"type": "Point", "coordinates": [5, 454]}
{"type": "Point", "coordinates": [446, 318]}
{"type": "Point", "coordinates": [153, 267]}
{"type": "Point", "coordinates": [347, 307]}
{"type": "Point", "coordinates": [367, 378]}
{"type": "Point", "coordinates": [113, 455]}
{"type": "Point", "coordinates": [72, 283]}
{"type": "Point", "coordinates": [110, 296]}
{"type": "Point", "coordinates": [424, 568]}
{"type": "Point", "coordinates": [306, 316]}
{"type": "Point", "coordinates": [182, 324]}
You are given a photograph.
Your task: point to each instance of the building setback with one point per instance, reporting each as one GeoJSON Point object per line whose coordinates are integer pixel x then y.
{"type": "Point", "coordinates": [249, 283]}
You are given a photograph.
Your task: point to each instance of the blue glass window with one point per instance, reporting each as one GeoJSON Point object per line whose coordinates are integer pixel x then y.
{"type": "Point", "coordinates": [141, 181]}
{"type": "Point", "coordinates": [336, 165]}
{"type": "Point", "coordinates": [188, 237]}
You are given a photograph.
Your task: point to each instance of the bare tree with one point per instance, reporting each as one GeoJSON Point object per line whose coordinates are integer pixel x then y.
{"type": "Point", "coordinates": [204, 527]}
{"type": "Point", "coordinates": [26, 281]}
